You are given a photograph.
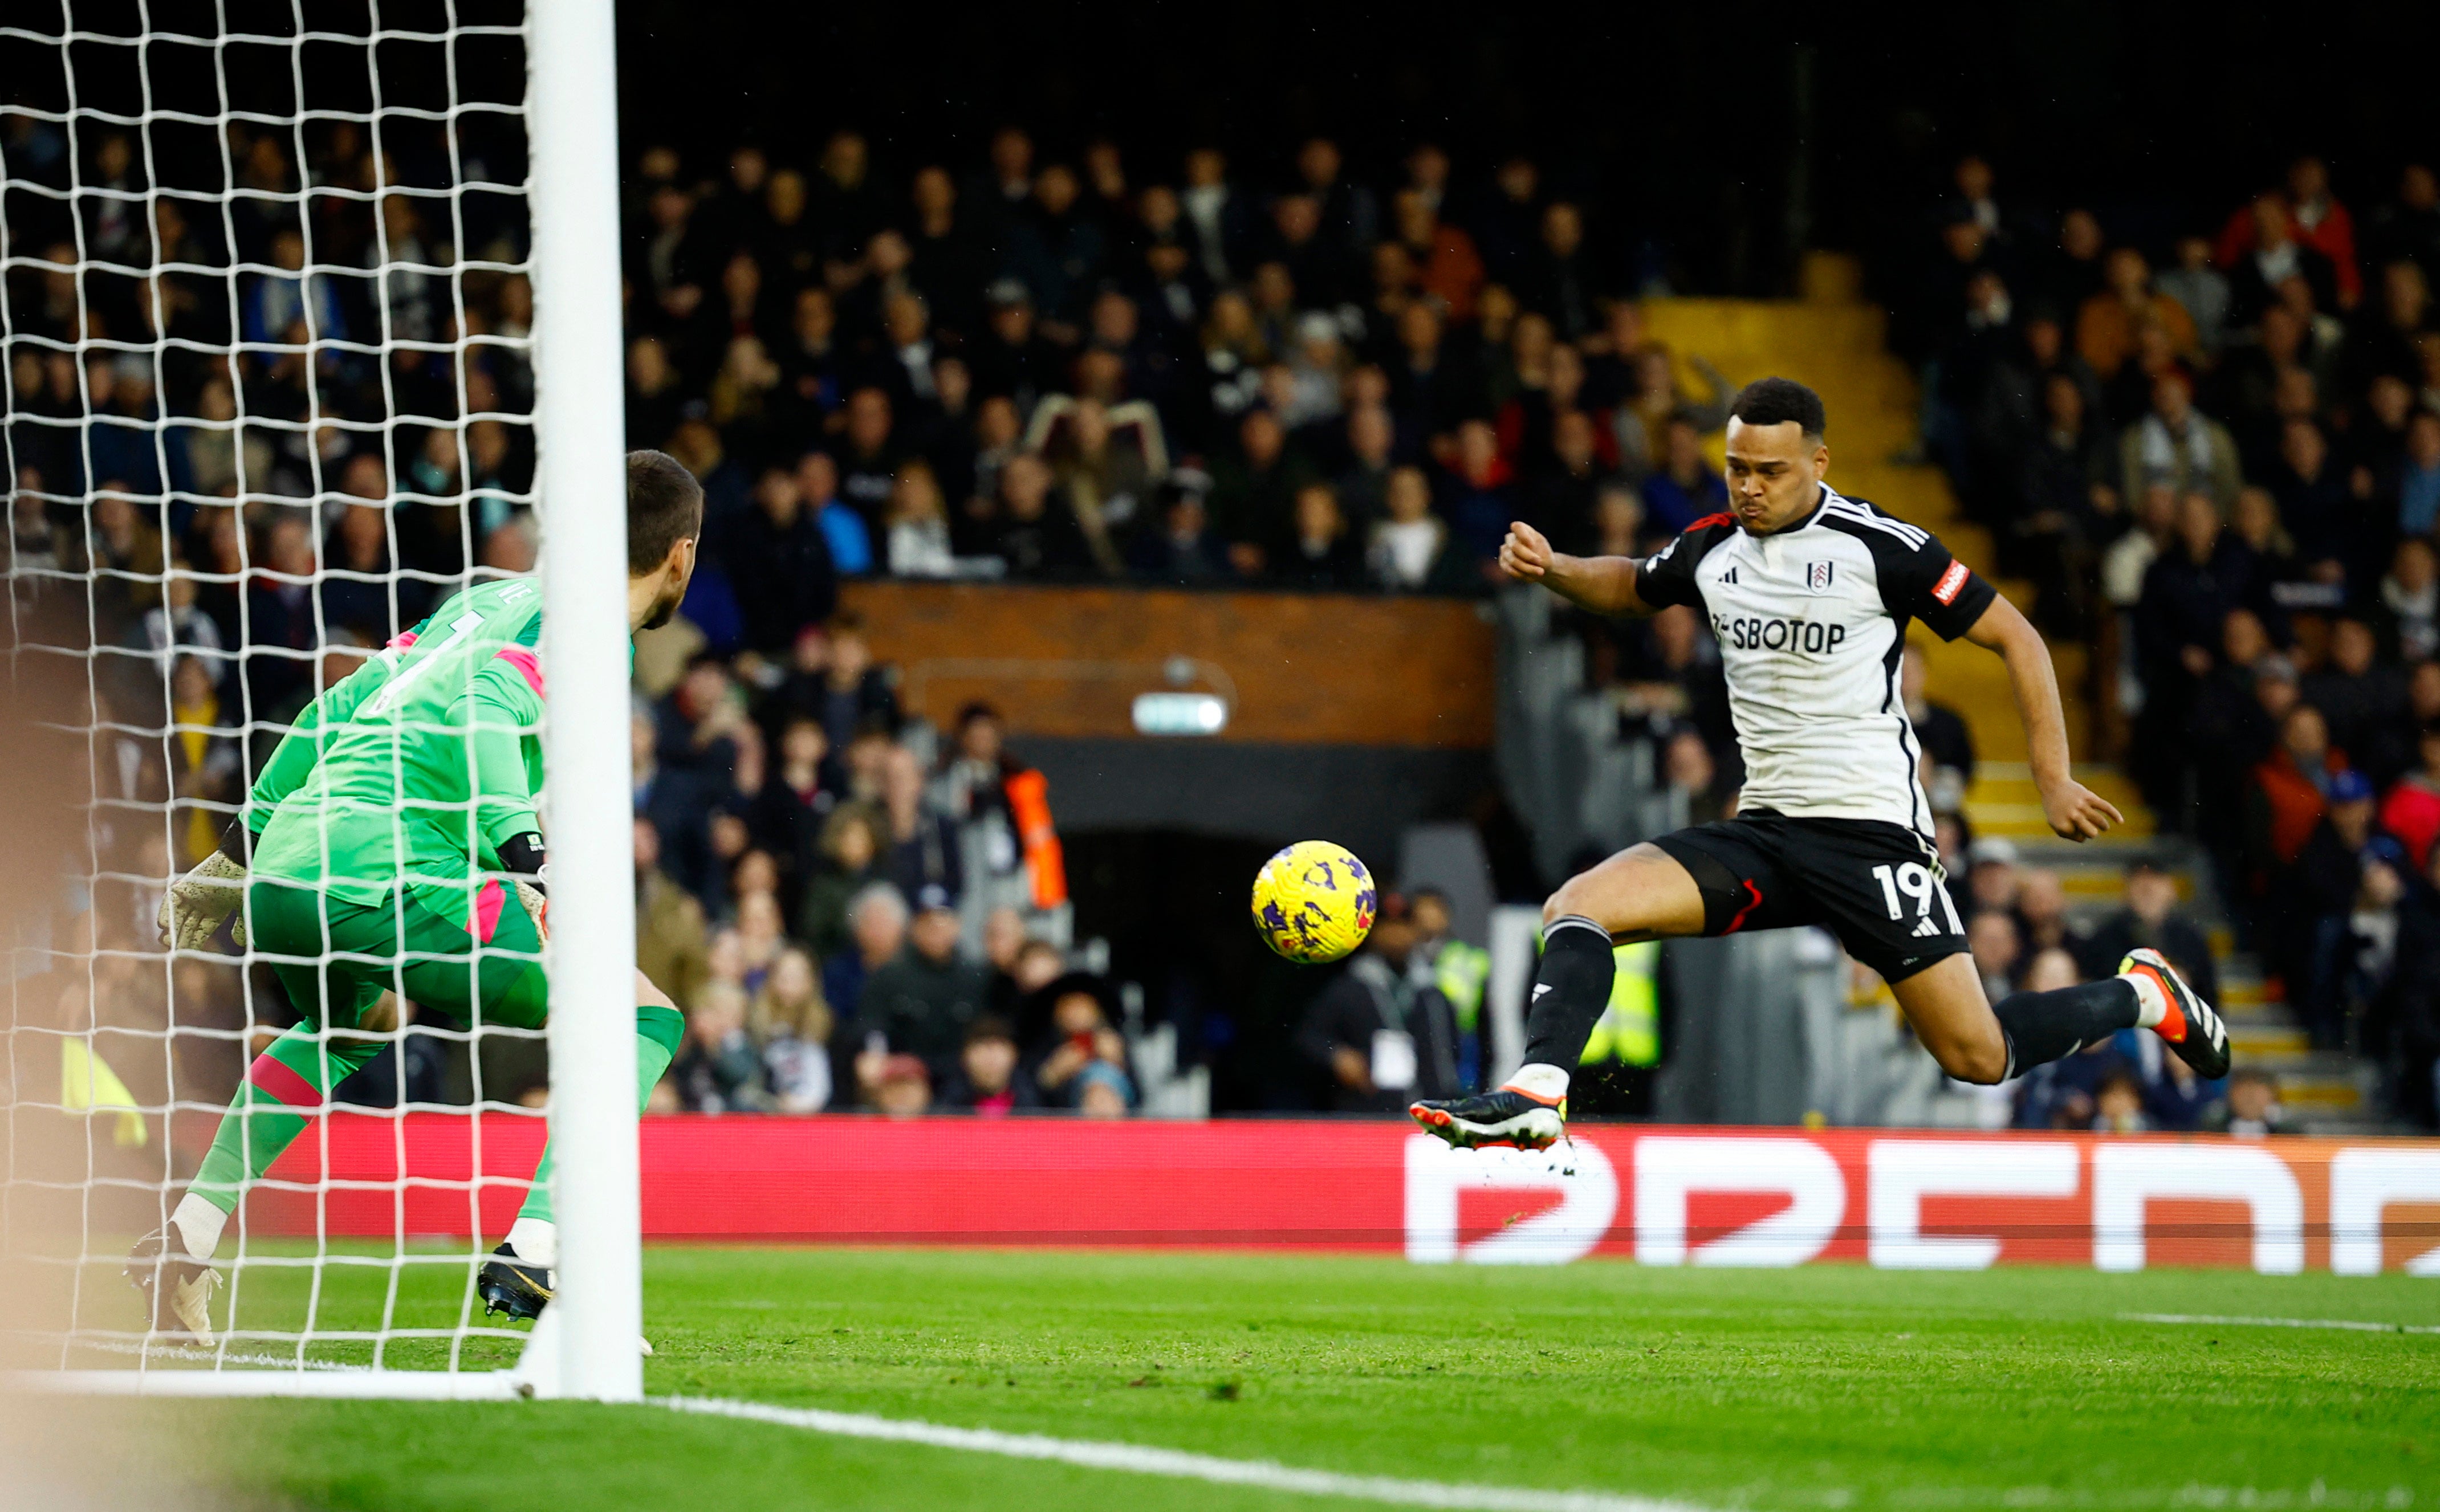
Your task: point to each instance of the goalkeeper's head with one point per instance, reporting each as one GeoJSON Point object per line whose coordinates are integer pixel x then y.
{"type": "Point", "coordinates": [664, 531]}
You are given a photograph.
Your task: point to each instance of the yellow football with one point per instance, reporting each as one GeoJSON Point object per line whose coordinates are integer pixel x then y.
{"type": "Point", "coordinates": [1313, 902]}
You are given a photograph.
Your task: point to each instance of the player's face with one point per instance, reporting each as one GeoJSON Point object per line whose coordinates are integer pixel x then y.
{"type": "Point", "coordinates": [681, 570]}
{"type": "Point", "coordinates": [1773, 476]}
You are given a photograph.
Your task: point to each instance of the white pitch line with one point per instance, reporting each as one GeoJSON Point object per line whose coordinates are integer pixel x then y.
{"type": "Point", "coordinates": [2352, 1324]}
{"type": "Point", "coordinates": [212, 1357]}
{"type": "Point", "coordinates": [1266, 1475]}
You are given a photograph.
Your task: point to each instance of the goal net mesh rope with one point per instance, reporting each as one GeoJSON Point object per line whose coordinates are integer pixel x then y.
{"type": "Point", "coordinates": [264, 299]}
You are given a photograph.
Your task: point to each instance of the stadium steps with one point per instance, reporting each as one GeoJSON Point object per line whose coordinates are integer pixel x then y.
{"type": "Point", "coordinates": [1837, 343]}
{"type": "Point", "coordinates": [2003, 801]}
{"type": "Point", "coordinates": [2332, 1093]}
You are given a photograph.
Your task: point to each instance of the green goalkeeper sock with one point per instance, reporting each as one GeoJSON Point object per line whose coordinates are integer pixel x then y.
{"type": "Point", "coordinates": [286, 1084]}
{"type": "Point", "coordinates": [658, 1031]}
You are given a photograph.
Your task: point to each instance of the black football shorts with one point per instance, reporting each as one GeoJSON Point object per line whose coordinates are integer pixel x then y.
{"type": "Point", "coordinates": [1875, 886]}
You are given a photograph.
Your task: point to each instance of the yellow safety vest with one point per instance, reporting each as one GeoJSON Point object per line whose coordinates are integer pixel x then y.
{"type": "Point", "coordinates": [1461, 971]}
{"type": "Point", "coordinates": [1629, 1028]}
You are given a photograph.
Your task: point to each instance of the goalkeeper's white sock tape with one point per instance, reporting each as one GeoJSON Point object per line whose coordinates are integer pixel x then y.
{"type": "Point", "coordinates": [534, 1240]}
{"type": "Point", "coordinates": [199, 1225]}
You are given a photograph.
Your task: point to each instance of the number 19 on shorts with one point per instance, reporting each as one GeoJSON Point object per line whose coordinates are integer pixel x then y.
{"type": "Point", "coordinates": [1915, 882]}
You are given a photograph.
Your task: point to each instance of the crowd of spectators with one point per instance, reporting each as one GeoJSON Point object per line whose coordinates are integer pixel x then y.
{"type": "Point", "coordinates": [853, 908]}
{"type": "Point", "coordinates": [1101, 368]}
{"type": "Point", "coordinates": [2219, 458]}
{"type": "Point", "coordinates": [2216, 454]}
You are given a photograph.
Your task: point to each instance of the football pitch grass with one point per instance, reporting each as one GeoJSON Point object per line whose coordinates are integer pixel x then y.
{"type": "Point", "coordinates": [1826, 1387]}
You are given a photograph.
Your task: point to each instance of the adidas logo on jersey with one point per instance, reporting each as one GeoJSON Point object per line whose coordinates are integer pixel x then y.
{"type": "Point", "coordinates": [1925, 930]}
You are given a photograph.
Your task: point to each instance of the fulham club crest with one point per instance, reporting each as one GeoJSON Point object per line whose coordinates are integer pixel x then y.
{"type": "Point", "coordinates": [1817, 575]}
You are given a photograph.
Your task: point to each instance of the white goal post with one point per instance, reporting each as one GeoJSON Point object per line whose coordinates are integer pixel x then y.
{"type": "Point", "coordinates": [580, 415]}
{"type": "Point", "coordinates": [587, 1344]}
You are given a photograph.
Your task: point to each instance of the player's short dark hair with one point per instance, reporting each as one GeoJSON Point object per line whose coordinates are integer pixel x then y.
{"type": "Point", "coordinates": [1777, 400]}
{"type": "Point", "coordinates": [664, 507]}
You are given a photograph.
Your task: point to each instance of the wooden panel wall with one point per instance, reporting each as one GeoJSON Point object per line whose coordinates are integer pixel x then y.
{"type": "Point", "coordinates": [1326, 669]}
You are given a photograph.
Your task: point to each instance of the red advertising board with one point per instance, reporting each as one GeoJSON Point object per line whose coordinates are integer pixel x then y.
{"type": "Point", "coordinates": [1662, 1196]}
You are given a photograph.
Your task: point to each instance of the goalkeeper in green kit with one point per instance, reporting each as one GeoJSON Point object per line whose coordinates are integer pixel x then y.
{"type": "Point", "coordinates": [392, 848]}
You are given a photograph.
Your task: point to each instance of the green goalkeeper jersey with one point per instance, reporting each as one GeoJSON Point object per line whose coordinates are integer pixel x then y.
{"type": "Point", "coordinates": [413, 769]}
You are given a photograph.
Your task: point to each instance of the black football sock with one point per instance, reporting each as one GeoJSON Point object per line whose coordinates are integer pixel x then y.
{"type": "Point", "coordinates": [2043, 1026]}
{"type": "Point", "coordinates": [1569, 991]}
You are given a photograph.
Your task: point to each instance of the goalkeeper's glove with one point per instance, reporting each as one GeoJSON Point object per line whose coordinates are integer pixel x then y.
{"type": "Point", "coordinates": [524, 856]}
{"type": "Point", "coordinates": [198, 903]}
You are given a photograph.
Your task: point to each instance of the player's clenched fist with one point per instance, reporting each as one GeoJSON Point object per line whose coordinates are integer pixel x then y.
{"type": "Point", "coordinates": [1525, 553]}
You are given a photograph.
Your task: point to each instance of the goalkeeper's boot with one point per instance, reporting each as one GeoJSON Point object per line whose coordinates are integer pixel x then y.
{"type": "Point", "coordinates": [2192, 1028]}
{"type": "Point", "coordinates": [518, 1287]}
{"type": "Point", "coordinates": [177, 1287]}
{"type": "Point", "coordinates": [1507, 1118]}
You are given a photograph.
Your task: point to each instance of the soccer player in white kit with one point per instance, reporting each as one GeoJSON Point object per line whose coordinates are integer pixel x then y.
{"type": "Point", "coordinates": [1809, 593]}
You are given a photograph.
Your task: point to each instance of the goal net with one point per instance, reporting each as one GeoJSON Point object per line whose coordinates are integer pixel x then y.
{"type": "Point", "coordinates": [270, 276]}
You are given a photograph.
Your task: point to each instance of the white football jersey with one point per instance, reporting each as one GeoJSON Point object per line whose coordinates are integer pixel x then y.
{"type": "Point", "coordinates": [1811, 621]}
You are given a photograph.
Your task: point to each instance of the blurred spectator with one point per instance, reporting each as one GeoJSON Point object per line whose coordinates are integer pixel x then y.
{"type": "Point", "coordinates": [2200, 290]}
{"type": "Point", "coordinates": [1991, 875]}
{"type": "Point", "coordinates": [792, 1025]}
{"type": "Point", "coordinates": [2284, 797]}
{"type": "Point", "coordinates": [2261, 250]}
{"type": "Point", "coordinates": [780, 565]}
{"type": "Point", "coordinates": [1017, 985]}
{"type": "Point", "coordinates": [989, 1083]}
{"type": "Point", "coordinates": [849, 862]}
{"type": "Point", "coordinates": [1688, 770]}
{"type": "Point", "coordinates": [2118, 1103]}
{"type": "Point", "coordinates": [917, 522]}
{"type": "Point", "coordinates": [1685, 486]}
{"type": "Point", "coordinates": [902, 1087]}
{"type": "Point", "coordinates": [1322, 553]}
{"type": "Point", "coordinates": [1382, 1037]}
{"type": "Point", "coordinates": [2409, 612]}
{"type": "Point", "coordinates": [2251, 1109]}
{"type": "Point", "coordinates": [835, 678]}
{"type": "Point", "coordinates": [2319, 892]}
{"type": "Point", "coordinates": [1080, 1052]}
{"type": "Point", "coordinates": [2107, 324]}
{"type": "Point", "coordinates": [921, 844]}
{"type": "Point", "coordinates": [921, 1001]}
{"type": "Point", "coordinates": [1940, 730]}
{"type": "Point", "coordinates": [1103, 1091]}
{"type": "Point", "coordinates": [2041, 911]}
{"type": "Point", "coordinates": [1179, 548]}
{"type": "Point", "coordinates": [2175, 444]}
{"type": "Point", "coordinates": [2189, 591]}
{"type": "Point", "coordinates": [2411, 809]}
{"type": "Point", "coordinates": [1479, 493]}
{"type": "Point", "coordinates": [717, 1070]}
{"type": "Point", "coordinates": [2364, 701]}
{"type": "Point", "coordinates": [1991, 937]}
{"type": "Point", "coordinates": [2150, 919]}
{"type": "Point", "coordinates": [845, 534]}
{"type": "Point", "coordinates": [876, 922]}
{"type": "Point", "coordinates": [1410, 547]}
{"type": "Point", "coordinates": [672, 942]}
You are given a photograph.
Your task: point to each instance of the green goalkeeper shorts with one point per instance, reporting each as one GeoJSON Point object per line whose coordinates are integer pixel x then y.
{"type": "Point", "coordinates": [336, 958]}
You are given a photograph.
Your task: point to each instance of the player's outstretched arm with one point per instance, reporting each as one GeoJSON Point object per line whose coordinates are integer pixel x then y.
{"type": "Point", "coordinates": [2074, 811]}
{"type": "Point", "coordinates": [1605, 585]}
